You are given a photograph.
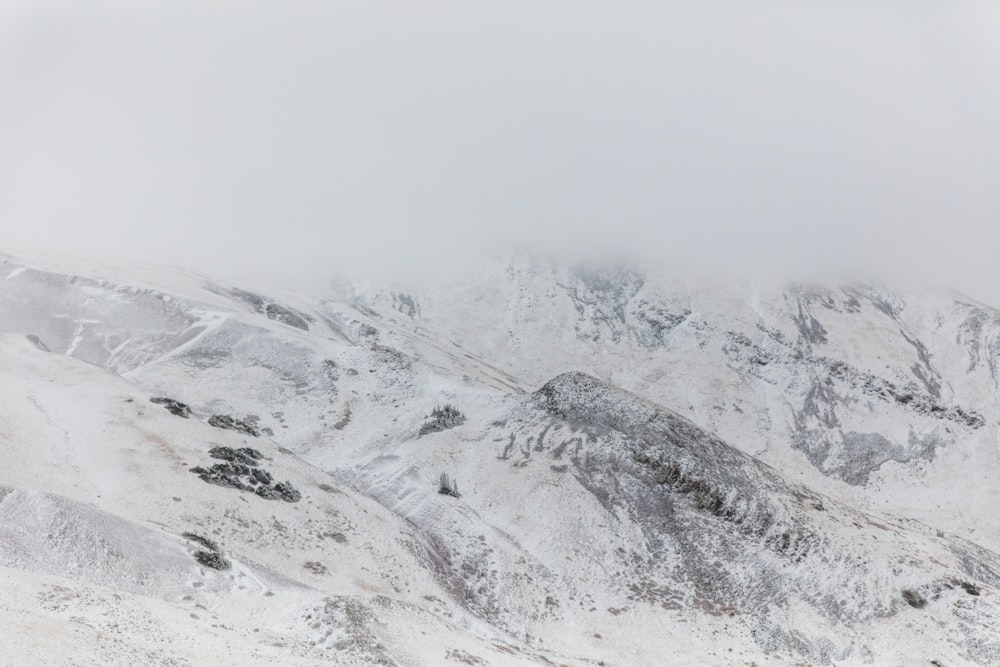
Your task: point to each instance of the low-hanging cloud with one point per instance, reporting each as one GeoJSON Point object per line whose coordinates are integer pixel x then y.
{"type": "Point", "coordinates": [284, 138]}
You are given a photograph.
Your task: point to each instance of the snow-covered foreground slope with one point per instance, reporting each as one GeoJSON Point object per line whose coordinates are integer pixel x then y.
{"type": "Point", "coordinates": [826, 496]}
{"type": "Point", "coordinates": [97, 505]}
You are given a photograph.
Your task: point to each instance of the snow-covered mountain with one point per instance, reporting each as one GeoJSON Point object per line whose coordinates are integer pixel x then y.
{"type": "Point", "coordinates": [541, 463]}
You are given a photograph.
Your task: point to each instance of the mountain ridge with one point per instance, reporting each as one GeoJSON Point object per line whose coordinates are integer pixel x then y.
{"type": "Point", "coordinates": [778, 503]}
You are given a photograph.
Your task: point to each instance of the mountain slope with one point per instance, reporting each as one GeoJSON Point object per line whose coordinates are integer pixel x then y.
{"type": "Point", "coordinates": [624, 515]}
{"type": "Point", "coordinates": [814, 489]}
{"type": "Point", "coordinates": [99, 502]}
{"type": "Point", "coordinates": [878, 398]}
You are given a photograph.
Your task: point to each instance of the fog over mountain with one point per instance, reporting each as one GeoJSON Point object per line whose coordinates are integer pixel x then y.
{"type": "Point", "coordinates": [840, 138]}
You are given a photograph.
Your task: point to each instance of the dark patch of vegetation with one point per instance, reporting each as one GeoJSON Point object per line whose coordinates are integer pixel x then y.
{"type": "Point", "coordinates": [224, 474]}
{"type": "Point", "coordinates": [248, 425]}
{"type": "Point", "coordinates": [344, 421]}
{"type": "Point", "coordinates": [172, 406]}
{"type": "Point", "coordinates": [968, 587]}
{"type": "Point", "coordinates": [214, 560]}
{"type": "Point", "coordinates": [448, 487]}
{"type": "Point", "coordinates": [265, 492]}
{"type": "Point", "coordinates": [285, 316]}
{"type": "Point", "coordinates": [914, 599]}
{"type": "Point", "coordinates": [242, 471]}
{"type": "Point", "coordinates": [287, 492]}
{"type": "Point", "coordinates": [261, 476]}
{"type": "Point", "coordinates": [367, 331]}
{"type": "Point", "coordinates": [272, 310]}
{"type": "Point", "coordinates": [211, 556]}
{"type": "Point", "coordinates": [244, 455]}
{"type": "Point", "coordinates": [442, 419]}
{"type": "Point", "coordinates": [283, 491]}
{"type": "Point", "coordinates": [203, 541]}
{"type": "Point", "coordinates": [315, 567]}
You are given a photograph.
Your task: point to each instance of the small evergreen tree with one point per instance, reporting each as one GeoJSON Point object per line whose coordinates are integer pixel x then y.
{"type": "Point", "coordinates": [442, 419]}
{"type": "Point", "coordinates": [448, 487]}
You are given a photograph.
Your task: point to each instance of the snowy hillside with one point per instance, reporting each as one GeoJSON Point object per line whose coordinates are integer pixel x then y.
{"type": "Point", "coordinates": [635, 471]}
{"type": "Point", "coordinates": [879, 398]}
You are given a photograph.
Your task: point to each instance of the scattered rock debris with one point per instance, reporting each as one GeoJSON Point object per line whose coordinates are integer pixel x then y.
{"type": "Point", "coordinates": [315, 567]}
{"type": "Point", "coordinates": [247, 425]}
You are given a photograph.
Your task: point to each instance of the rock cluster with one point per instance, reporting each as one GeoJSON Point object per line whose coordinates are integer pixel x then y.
{"type": "Point", "coordinates": [233, 424]}
{"type": "Point", "coordinates": [241, 470]}
{"type": "Point", "coordinates": [172, 406]}
{"type": "Point", "coordinates": [211, 556]}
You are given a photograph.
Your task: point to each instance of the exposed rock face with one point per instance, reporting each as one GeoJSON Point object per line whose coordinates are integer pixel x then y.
{"type": "Point", "coordinates": [814, 369]}
{"type": "Point", "coordinates": [708, 513]}
{"type": "Point", "coordinates": [273, 311]}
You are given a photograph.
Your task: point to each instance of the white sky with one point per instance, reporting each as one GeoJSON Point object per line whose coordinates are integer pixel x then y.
{"type": "Point", "coordinates": [291, 137]}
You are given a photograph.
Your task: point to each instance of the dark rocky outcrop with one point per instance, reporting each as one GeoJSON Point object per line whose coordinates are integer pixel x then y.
{"type": "Point", "coordinates": [172, 406]}
{"type": "Point", "coordinates": [211, 556]}
{"type": "Point", "coordinates": [266, 307]}
{"type": "Point", "coordinates": [241, 470]}
{"type": "Point", "coordinates": [285, 316]}
{"type": "Point", "coordinates": [247, 425]}
{"type": "Point", "coordinates": [245, 455]}
{"type": "Point", "coordinates": [287, 492]}
{"type": "Point", "coordinates": [914, 599]}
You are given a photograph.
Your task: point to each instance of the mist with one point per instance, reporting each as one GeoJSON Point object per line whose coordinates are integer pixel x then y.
{"type": "Point", "coordinates": [305, 138]}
